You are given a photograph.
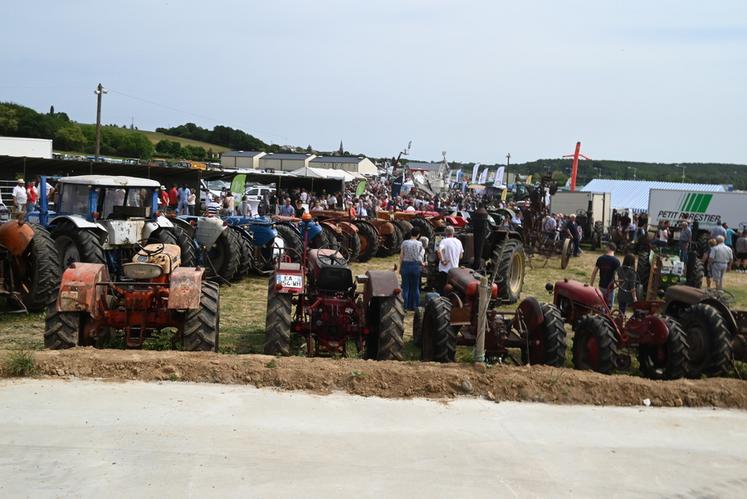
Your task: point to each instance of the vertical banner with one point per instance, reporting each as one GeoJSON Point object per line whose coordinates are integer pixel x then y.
{"type": "Point", "coordinates": [238, 184]}
{"type": "Point", "coordinates": [361, 189]}
{"type": "Point", "coordinates": [499, 175]}
{"type": "Point", "coordinates": [483, 177]}
{"type": "Point", "coordinates": [474, 172]}
{"type": "Point", "coordinates": [458, 176]}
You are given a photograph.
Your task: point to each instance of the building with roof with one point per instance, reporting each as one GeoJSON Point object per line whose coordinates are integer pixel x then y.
{"type": "Point", "coordinates": [241, 159]}
{"type": "Point", "coordinates": [425, 166]}
{"type": "Point", "coordinates": [633, 194]}
{"type": "Point", "coordinates": [350, 164]}
{"type": "Point", "coordinates": [284, 162]}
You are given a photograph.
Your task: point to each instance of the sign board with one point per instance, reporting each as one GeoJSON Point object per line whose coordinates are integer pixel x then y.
{"type": "Point", "coordinates": [707, 208]}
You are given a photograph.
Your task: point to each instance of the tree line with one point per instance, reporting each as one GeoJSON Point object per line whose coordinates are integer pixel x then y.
{"type": "Point", "coordinates": [234, 139]}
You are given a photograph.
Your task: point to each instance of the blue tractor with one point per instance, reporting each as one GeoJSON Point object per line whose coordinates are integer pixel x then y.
{"type": "Point", "coordinates": [103, 218]}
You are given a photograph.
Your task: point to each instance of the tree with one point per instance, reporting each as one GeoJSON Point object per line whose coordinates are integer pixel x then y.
{"type": "Point", "coordinates": [51, 110]}
{"type": "Point", "coordinates": [69, 138]}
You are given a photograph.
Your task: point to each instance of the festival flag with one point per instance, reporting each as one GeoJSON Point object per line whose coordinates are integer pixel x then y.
{"type": "Point", "coordinates": [474, 172]}
{"type": "Point", "coordinates": [361, 188]}
{"type": "Point", "coordinates": [238, 184]}
{"type": "Point", "coordinates": [458, 176]}
{"type": "Point", "coordinates": [483, 177]}
{"type": "Point", "coordinates": [499, 175]}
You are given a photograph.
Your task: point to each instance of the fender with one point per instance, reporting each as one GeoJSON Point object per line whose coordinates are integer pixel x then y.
{"type": "Point", "coordinates": [81, 223]}
{"type": "Point", "coordinates": [16, 236]}
{"type": "Point", "coordinates": [379, 284]}
{"type": "Point", "coordinates": [184, 224]}
{"type": "Point", "coordinates": [531, 312]}
{"type": "Point", "coordinates": [332, 226]}
{"type": "Point", "coordinates": [348, 228]}
{"type": "Point", "coordinates": [150, 227]}
{"type": "Point", "coordinates": [185, 288]}
{"type": "Point", "coordinates": [163, 221]}
{"type": "Point", "coordinates": [79, 291]}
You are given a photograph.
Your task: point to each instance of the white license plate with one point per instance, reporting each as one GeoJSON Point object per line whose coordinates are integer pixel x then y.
{"type": "Point", "coordinates": [290, 281]}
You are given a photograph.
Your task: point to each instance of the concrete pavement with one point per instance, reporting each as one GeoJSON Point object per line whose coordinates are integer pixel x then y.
{"type": "Point", "coordinates": [91, 439]}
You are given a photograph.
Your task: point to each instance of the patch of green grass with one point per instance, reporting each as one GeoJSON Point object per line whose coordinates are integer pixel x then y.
{"type": "Point", "coordinates": [19, 363]}
{"type": "Point", "coordinates": [155, 137]}
{"type": "Point", "coordinates": [272, 364]}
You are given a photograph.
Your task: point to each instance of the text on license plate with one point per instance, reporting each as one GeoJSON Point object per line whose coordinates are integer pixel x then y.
{"type": "Point", "coordinates": [290, 281]}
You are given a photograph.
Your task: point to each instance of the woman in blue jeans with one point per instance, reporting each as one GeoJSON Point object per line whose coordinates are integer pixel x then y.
{"type": "Point", "coordinates": [411, 259]}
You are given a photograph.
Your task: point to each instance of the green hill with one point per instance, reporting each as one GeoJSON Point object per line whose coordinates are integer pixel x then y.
{"type": "Point", "coordinates": [156, 137]}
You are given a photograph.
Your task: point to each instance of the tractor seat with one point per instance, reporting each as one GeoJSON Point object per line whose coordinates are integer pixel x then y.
{"type": "Point", "coordinates": [168, 259]}
{"type": "Point", "coordinates": [337, 279]}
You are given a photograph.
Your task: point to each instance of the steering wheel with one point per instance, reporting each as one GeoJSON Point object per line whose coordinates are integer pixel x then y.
{"type": "Point", "coordinates": [141, 248]}
{"type": "Point", "coordinates": [626, 279]}
{"type": "Point", "coordinates": [337, 258]}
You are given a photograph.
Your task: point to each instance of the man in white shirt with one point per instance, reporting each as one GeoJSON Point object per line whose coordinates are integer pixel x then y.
{"type": "Point", "coordinates": [721, 258]}
{"type": "Point", "coordinates": [449, 252]}
{"type": "Point", "coordinates": [20, 196]}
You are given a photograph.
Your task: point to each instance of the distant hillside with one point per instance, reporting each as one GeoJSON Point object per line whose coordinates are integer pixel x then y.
{"type": "Point", "coordinates": [225, 136]}
{"type": "Point", "coordinates": [156, 137]}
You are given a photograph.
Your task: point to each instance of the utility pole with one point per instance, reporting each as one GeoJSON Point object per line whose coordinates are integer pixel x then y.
{"type": "Point", "coordinates": [683, 171]}
{"type": "Point", "coordinates": [508, 161]}
{"type": "Point", "coordinates": [635, 171]}
{"type": "Point", "coordinates": [100, 90]}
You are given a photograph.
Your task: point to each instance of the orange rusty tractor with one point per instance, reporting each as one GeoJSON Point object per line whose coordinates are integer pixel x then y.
{"type": "Point", "coordinates": [29, 265]}
{"type": "Point", "coordinates": [377, 237]}
{"type": "Point", "coordinates": [155, 293]}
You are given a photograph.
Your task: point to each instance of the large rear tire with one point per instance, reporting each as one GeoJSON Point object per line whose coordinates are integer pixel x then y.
{"type": "Point", "coordinates": [391, 243]}
{"type": "Point", "coordinates": [369, 238]}
{"type": "Point", "coordinates": [417, 327]}
{"type": "Point", "coordinates": [77, 245]}
{"type": "Point", "coordinates": [223, 258]}
{"type": "Point", "coordinates": [292, 240]}
{"type": "Point", "coordinates": [439, 336]}
{"type": "Point", "coordinates": [61, 329]}
{"type": "Point", "coordinates": [695, 271]}
{"type": "Point", "coordinates": [507, 267]}
{"type": "Point", "coordinates": [547, 343]}
{"type": "Point", "coordinates": [37, 271]}
{"type": "Point", "coordinates": [186, 245]}
{"type": "Point", "coordinates": [278, 321]}
{"type": "Point", "coordinates": [669, 361]}
{"type": "Point", "coordinates": [643, 269]}
{"type": "Point", "coordinates": [426, 229]}
{"type": "Point", "coordinates": [405, 228]}
{"type": "Point", "coordinates": [202, 326]}
{"type": "Point", "coordinates": [708, 339]}
{"type": "Point", "coordinates": [594, 344]}
{"type": "Point", "coordinates": [352, 245]}
{"type": "Point", "coordinates": [389, 343]}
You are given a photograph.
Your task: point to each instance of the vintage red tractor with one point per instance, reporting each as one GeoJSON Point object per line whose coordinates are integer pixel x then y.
{"type": "Point", "coordinates": [318, 303]}
{"type": "Point", "coordinates": [603, 334]}
{"type": "Point", "coordinates": [535, 329]}
{"type": "Point", "coordinates": [155, 293]}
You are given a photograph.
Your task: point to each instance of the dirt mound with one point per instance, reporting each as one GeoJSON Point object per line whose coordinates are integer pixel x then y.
{"type": "Point", "coordinates": [392, 379]}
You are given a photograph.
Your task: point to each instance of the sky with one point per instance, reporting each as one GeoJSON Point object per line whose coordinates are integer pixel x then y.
{"type": "Point", "coordinates": [655, 80]}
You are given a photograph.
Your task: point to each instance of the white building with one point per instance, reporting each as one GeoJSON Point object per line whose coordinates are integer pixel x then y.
{"type": "Point", "coordinates": [241, 159]}
{"type": "Point", "coordinates": [23, 147]}
{"type": "Point", "coordinates": [285, 162]}
{"type": "Point", "coordinates": [351, 164]}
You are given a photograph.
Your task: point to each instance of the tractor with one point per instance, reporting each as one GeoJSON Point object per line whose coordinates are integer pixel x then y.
{"type": "Point", "coordinates": [316, 306]}
{"type": "Point", "coordinates": [102, 218]}
{"type": "Point", "coordinates": [716, 333]}
{"type": "Point", "coordinates": [155, 293]}
{"type": "Point", "coordinates": [603, 334]}
{"type": "Point", "coordinates": [29, 265]}
{"type": "Point", "coordinates": [260, 243]}
{"type": "Point", "coordinates": [659, 268]}
{"type": "Point", "coordinates": [377, 237]}
{"type": "Point", "coordinates": [535, 329]}
{"type": "Point", "coordinates": [216, 247]}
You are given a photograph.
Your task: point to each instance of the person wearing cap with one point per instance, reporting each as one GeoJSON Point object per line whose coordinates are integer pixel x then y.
{"type": "Point", "coordinates": [20, 196]}
{"type": "Point", "coordinates": [721, 258]}
{"type": "Point", "coordinates": [163, 198]}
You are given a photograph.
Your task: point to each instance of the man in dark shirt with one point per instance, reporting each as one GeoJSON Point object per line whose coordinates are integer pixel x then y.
{"type": "Point", "coordinates": [572, 228]}
{"type": "Point", "coordinates": [606, 265]}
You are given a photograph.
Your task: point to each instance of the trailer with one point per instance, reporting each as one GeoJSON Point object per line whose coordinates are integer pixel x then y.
{"type": "Point", "coordinates": [593, 212]}
{"type": "Point", "coordinates": [708, 209]}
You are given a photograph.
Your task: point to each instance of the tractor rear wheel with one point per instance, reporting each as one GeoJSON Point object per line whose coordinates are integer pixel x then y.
{"type": "Point", "coordinates": [77, 245]}
{"type": "Point", "coordinates": [186, 245]}
{"type": "Point", "coordinates": [61, 329]}
{"type": "Point", "coordinates": [695, 270]}
{"type": "Point", "coordinates": [405, 228]}
{"type": "Point", "coordinates": [417, 327]}
{"type": "Point", "coordinates": [352, 245]}
{"type": "Point", "coordinates": [668, 361]}
{"type": "Point", "coordinates": [38, 271]}
{"type": "Point", "coordinates": [391, 243]}
{"type": "Point", "coordinates": [507, 269]}
{"type": "Point", "coordinates": [331, 237]}
{"type": "Point", "coordinates": [547, 342]}
{"type": "Point", "coordinates": [202, 326]}
{"type": "Point", "coordinates": [438, 335]}
{"type": "Point", "coordinates": [369, 238]}
{"type": "Point", "coordinates": [223, 258]}
{"type": "Point", "coordinates": [292, 240]}
{"type": "Point", "coordinates": [386, 342]}
{"type": "Point", "coordinates": [426, 229]}
{"type": "Point", "coordinates": [594, 344]}
{"type": "Point", "coordinates": [708, 339]}
{"type": "Point", "coordinates": [643, 269]}
{"type": "Point", "coordinates": [278, 322]}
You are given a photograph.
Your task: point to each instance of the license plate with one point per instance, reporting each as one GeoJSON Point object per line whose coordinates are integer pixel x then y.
{"type": "Point", "coordinates": [290, 281]}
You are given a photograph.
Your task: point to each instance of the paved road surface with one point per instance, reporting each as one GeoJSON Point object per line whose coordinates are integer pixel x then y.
{"type": "Point", "coordinates": [98, 439]}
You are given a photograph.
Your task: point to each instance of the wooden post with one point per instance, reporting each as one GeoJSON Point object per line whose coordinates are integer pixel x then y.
{"type": "Point", "coordinates": [482, 320]}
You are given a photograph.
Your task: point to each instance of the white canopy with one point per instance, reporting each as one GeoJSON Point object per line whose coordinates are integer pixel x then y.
{"type": "Point", "coordinates": [326, 173]}
{"type": "Point", "coordinates": [110, 181]}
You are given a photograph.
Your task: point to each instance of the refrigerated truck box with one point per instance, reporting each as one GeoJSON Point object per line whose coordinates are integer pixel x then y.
{"type": "Point", "coordinates": [707, 208]}
{"type": "Point", "coordinates": [20, 147]}
{"type": "Point", "coordinates": [575, 202]}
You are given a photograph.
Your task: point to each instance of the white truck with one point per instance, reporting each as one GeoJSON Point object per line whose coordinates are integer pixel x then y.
{"type": "Point", "coordinates": [707, 208]}
{"type": "Point", "coordinates": [593, 211]}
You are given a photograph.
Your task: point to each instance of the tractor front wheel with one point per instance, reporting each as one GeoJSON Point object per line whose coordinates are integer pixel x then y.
{"type": "Point", "coordinates": [547, 342]}
{"type": "Point", "coordinates": [708, 339]}
{"type": "Point", "coordinates": [278, 321]}
{"type": "Point", "coordinates": [438, 341]}
{"type": "Point", "coordinates": [668, 361]}
{"type": "Point", "coordinates": [387, 341]}
{"type": "Point", "coordinates": [507, 269]}
{"type": "Point", "coordinates": [595, 344]}
{"type": "Point", "coordinates": [202, 326]}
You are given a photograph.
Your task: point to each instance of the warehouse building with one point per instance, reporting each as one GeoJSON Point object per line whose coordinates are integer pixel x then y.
{"type": "Point", "coordinates": [285, 162]}
{"type": "Point", "coordinates": [350, 164]}
{"type": "Point", "coordinates": [241, 159]}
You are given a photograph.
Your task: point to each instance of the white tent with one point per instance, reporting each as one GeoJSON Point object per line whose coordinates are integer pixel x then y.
{"type": "Point", "coordinates": [327, 173]}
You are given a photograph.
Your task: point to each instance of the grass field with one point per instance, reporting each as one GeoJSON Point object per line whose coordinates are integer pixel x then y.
{"type": "Point", "coordinates": [155, 137]}
{"type": "Point", "coordinates": [243, 307]}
